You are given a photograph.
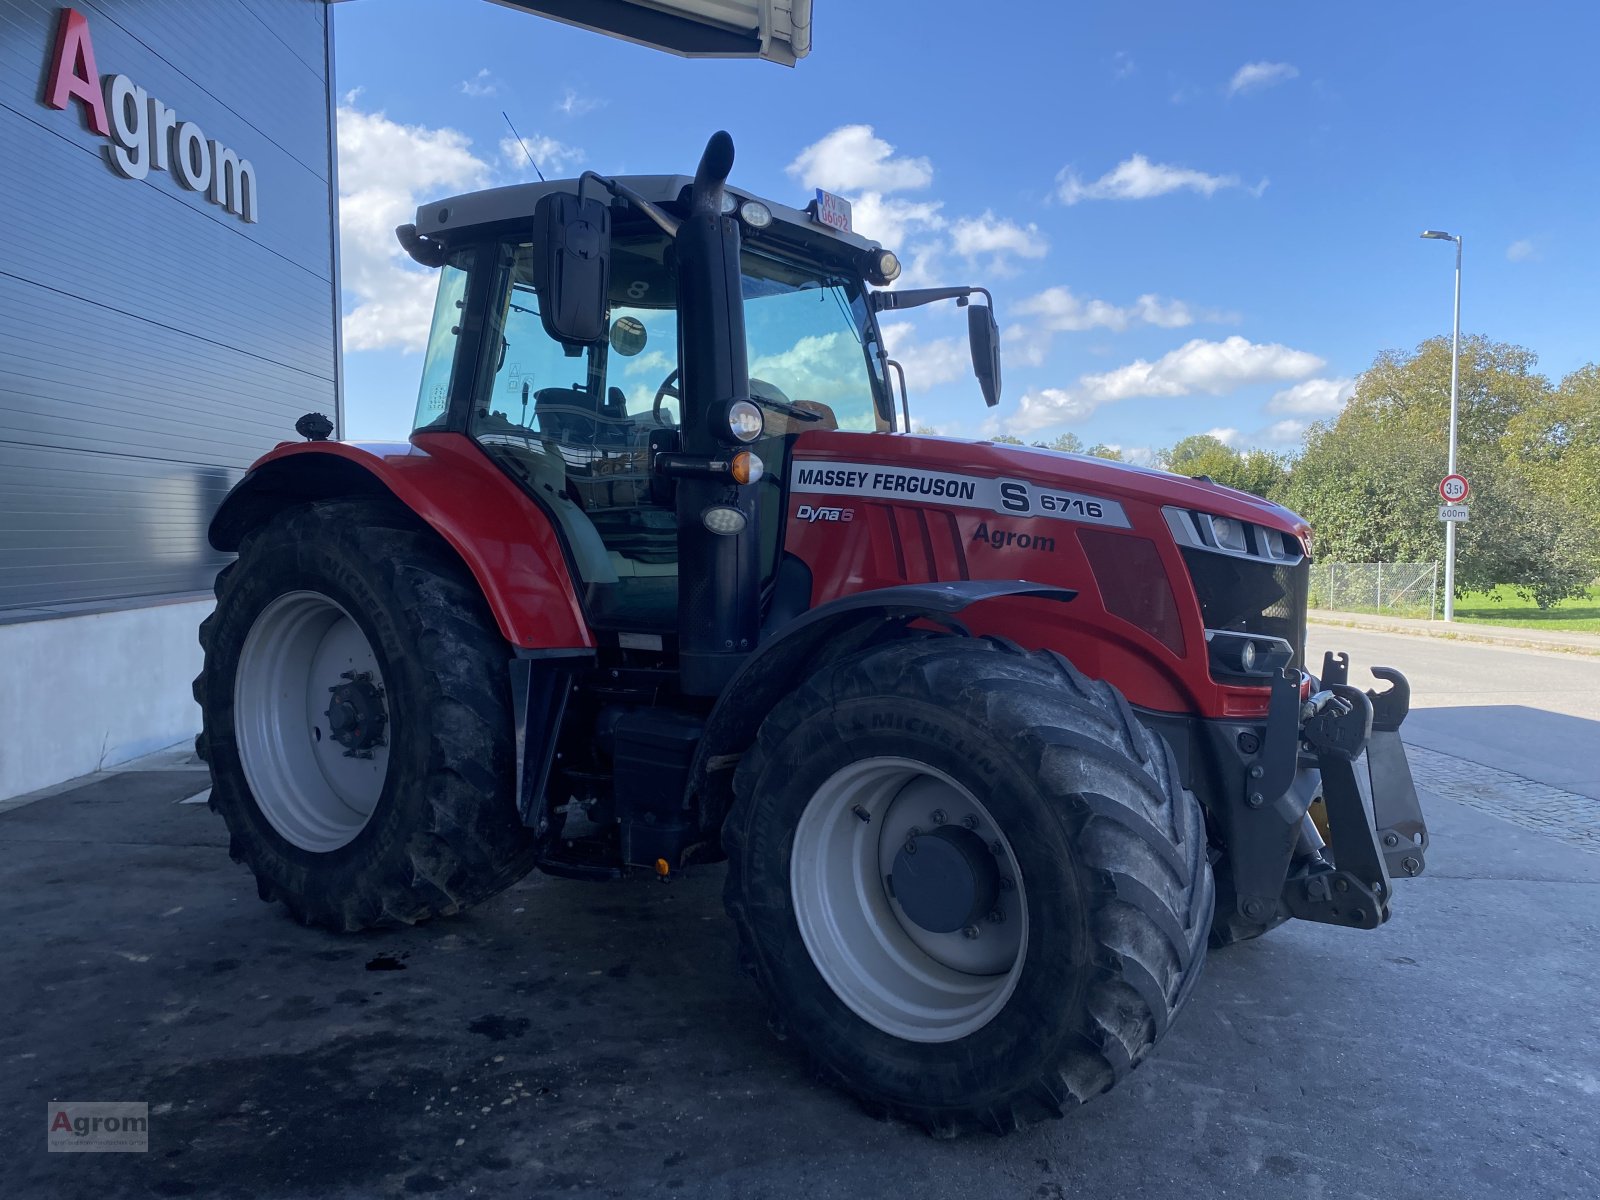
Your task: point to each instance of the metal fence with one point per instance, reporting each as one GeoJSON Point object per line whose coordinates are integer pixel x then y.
{"type": "Point", "coordinates": [1400, 589]}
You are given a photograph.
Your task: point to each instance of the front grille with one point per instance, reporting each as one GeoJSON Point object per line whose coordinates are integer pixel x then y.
{"type": "Point", "coordinates": [1243, 595]}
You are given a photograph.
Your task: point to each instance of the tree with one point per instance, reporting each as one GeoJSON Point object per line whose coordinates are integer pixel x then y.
{"type": "Point", "coordinates": [1101, 450]}
{"type": "Point", "coordinates": [1067, 443]}
{"type": "Point", "coordinates": [1558, 442]}
{"type": "Point", "coordinates": [1005, 439]}
{"type": "Point", "coordinates": [1256, 471]}
{"type": "Point", "coordinates": [1367, 481]}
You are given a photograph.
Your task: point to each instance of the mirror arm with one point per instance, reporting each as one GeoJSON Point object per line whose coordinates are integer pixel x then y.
{"type": "Point", "coordinates": [916, 297]}
{"type": "Point", "coordinates": [665, 221]}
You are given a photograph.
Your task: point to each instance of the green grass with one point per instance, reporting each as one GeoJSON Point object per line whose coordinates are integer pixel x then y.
{"type": "Point", "coordinates": [1502, 606]}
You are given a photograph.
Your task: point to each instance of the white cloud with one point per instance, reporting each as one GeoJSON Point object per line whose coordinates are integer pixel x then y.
{"type": "Point", "coordinates": [1227, 435]}
{"type": "Point", "coordinates": [1257, 75]}
{"type": "Point", "coordinates": [893, 219]}
{"type": "Point", "coordinates": [480, 85]}
{"type": "Point", "coordinates": [555, 159]}
{"type": "Point", "coordinates": [1139, 456]}
{"type": "Point", "coordinates": [1137, 178]}
{"type": "Point", "coordinates": [385, 169]}
{"type": "Point", "coordinates": [573, 105]}
{"type": "Point", "coordinates": [1202, 366]}
{"type": "Point", "coordinates": [995, 241]}
{"type": "Point", "coordinates": [1282, 433]}
{"type": "Point", "coordinates": [927, 364]}
{"type": "Point", "coordinates": [1521, 250]}
{"type": "Point", "coordinates": [854, 159]}
{"type": "Point", "coordinates": [1197, 366]}
{"type": "Point", "coordinates": [1122, 65]}
{"type": "Point", "coordinates": [1313, 397]}
{"type": "Point", "coordinates": [1044, 407]}
{"type": "Point", "coordinates": [1060, 310]}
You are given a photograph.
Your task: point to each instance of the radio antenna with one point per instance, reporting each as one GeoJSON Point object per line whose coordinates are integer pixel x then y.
{"type": "Point", "coordinates": [523, 144]}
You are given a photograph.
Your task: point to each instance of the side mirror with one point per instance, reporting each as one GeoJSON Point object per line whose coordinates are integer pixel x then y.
{"type": "Point", "coordinates": [573, 274]}
{"type": "Point", "coordinates": [984, 334]}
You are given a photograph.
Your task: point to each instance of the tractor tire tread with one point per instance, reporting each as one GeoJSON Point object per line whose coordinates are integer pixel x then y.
{"type": "Point", "coordinates": [1140, 834]}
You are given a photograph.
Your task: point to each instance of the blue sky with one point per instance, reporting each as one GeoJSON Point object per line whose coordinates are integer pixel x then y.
{"type": "Point", "coordinates": [1193, 217]}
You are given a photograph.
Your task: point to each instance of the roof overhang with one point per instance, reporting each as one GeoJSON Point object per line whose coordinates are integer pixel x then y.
{"type": "Point", "coordinates": [776, 30]}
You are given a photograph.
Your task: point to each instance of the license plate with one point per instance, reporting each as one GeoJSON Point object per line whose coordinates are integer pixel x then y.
{"type": "Point", "coordinates": [833, 211]}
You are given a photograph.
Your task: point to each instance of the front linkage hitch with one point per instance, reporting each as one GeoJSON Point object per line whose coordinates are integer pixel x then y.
{"type": "Point", "coordinates": [1374, 821]}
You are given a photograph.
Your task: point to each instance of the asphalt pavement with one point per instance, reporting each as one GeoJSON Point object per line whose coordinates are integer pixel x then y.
{"type": "Point", "coordinates": [583, 1039]}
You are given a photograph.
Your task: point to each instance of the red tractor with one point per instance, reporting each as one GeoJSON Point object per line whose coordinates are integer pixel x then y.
{"type": "Point", "coordinates": [993, 739]}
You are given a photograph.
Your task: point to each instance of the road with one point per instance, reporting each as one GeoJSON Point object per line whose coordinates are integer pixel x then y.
{"type": "Point", "coordinates": [1531, 713]}
{"type": "Point", "coordinates": [578, 1039]}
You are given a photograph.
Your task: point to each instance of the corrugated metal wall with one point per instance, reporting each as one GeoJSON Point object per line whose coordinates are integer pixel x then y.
{"type": "Point", "coordinates": [151, 343]}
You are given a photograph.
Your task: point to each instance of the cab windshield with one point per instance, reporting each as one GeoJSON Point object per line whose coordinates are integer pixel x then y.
{"type": "Point", "coordinates": [808, 337]}
{"type": "Point", "coordinates": [579, 425]}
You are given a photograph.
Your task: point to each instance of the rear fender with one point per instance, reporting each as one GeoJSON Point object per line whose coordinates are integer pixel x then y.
{"type": "Point", "coordinates": [501, 534]}
{"type": "Point", "coordinates": [822, 635]}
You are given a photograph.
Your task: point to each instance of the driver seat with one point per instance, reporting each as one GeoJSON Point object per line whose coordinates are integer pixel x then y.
{"type": "Point", "coordinates": [578, 417]}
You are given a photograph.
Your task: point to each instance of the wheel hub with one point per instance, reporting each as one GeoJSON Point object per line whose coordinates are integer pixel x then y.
{"type": "Point", "coordinates": [945, 880]}
{"type": "Point", "coordinates": [356, 716]}
{"type": "Point", "coordinates": [315, 752]}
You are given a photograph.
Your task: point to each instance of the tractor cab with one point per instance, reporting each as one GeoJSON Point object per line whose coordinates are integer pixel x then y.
{"type": "Point", "coordinates": [645, 440]}
{"type": "Point", "coordinates": [580, 424]}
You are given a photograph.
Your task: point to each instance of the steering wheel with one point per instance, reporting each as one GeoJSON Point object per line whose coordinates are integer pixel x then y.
{"type": "Point", "coordinates": [669, 388]}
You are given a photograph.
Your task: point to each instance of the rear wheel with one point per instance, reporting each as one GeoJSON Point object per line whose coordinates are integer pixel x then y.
{"type": "Point", "coordinates": [357, 720]}
{"type": "Point", "coordinates": [967, 880]}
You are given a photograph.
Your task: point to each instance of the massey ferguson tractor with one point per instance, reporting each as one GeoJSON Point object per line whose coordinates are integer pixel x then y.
{"type": "Point", "coordinates": [993, 740]}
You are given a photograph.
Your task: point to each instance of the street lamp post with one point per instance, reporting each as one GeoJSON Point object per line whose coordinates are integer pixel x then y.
{"type": "Point", "coordinates": [1455, 410]}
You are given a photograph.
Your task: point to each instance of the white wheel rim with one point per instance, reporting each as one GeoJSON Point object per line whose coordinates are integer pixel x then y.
{"type": "Point", "coordinates": [896, 975]}
{"type": "Point", "coordinates": [313, 789]}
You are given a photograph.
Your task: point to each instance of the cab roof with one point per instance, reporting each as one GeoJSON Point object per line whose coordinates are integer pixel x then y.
{"type": "Point", "coordinates": [456, 217]}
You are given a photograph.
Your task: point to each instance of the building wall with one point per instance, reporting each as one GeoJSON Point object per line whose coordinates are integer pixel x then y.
{"type": "Point", "coordinates": [152, 343]}
{"type": "Point", "coordinates": [86, 692]}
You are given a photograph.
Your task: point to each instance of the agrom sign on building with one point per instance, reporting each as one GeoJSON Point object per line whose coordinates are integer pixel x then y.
{"type": "Point", "coordinates": [143, 133]}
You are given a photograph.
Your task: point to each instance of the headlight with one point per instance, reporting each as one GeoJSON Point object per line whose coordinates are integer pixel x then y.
{"type": "Point", "coordinates": [755, 214]}
{"type": "Point", "coordinates": [1229, 534]}
{"type": "Point", "coordinates": [744, 421]}
{"type": "Point", "coordinates": [1246, 657]}
{"type": "Point", "coordinates": [882, 267]}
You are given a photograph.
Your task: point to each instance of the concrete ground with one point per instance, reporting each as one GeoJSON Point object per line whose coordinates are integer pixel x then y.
{"type": "Point", "coordinates": [585, 1039]}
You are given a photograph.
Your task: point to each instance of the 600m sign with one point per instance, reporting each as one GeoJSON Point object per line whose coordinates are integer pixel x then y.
{"type": "Point", "coordinates": [144, 132]}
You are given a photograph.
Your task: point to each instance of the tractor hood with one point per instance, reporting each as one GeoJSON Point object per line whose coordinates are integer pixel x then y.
{"type": "Point", "coordinates": [1078, 474]}
{"type": "Point", "coordinates": [1163, 487]}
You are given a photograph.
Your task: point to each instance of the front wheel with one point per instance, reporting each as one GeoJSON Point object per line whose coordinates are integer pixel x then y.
{"type": "Point", "coordinates": [357, 720]}
{"type": "Point", "coordinates": [968, 881]}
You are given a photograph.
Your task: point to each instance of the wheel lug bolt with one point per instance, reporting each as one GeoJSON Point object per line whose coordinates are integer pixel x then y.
{"type": "Point", "coordinates": [970, 821]}
{"type": "Point", "coordinates": [970, 932]}
{"type": "Point", "coordinates": [1005, 884]}
{"type": "Point", "coordinates": [938, 817]}
{"type": "Point", "coordinates": [911, 845]}
{"type": "Point", "coordinates": [997, 917]}
{"type": "Point", "coordinates": [996, 849]}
